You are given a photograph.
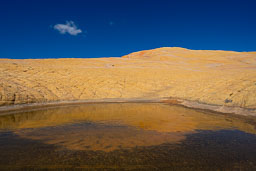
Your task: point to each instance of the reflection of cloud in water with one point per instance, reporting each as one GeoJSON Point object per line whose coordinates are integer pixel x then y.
{"type": "Point", "coordinates": [116, 125]}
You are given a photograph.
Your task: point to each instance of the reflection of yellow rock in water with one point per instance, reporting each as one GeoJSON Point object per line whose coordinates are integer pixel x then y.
{"type": "Point", "coordinates": [100, 137]}
{"type": "Point", "coordinates": [117, 124]}
{"type": "Point", "coordinates": [212, 77]}
{"type": "Point", "coordinates": [148, 116]}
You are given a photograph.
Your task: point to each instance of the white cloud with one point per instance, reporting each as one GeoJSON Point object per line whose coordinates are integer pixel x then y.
{"type": "Point", "coordinates": [69, 28]}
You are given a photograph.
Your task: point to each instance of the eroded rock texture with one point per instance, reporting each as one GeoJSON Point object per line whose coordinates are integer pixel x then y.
{"type": "Point", "coordinates": [212, 77]}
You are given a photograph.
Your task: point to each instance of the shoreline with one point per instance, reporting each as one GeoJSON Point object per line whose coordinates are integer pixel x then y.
{"type": "Point", "coordinates": [34, 106]}
{"type": "Point", "coordinates": [10, 109]}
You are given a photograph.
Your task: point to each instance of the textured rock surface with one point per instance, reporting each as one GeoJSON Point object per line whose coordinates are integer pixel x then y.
{"type": "Point", "coordinates": [213, 77]}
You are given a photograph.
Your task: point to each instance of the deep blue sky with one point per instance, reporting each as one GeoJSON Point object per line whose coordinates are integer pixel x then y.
{"type": "Point", "coordinates": [119, 27]}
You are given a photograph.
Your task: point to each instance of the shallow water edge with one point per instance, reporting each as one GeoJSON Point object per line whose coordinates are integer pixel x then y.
{"type": "Point", "coordinates": [186, 103]}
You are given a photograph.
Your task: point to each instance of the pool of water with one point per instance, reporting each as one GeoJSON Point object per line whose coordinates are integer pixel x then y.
{"type": "Point", "coordinates": [143, 136]}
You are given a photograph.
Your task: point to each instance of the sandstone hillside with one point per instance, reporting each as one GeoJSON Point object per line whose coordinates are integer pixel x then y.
{"type": "Point", "coordinates": [212, 77]}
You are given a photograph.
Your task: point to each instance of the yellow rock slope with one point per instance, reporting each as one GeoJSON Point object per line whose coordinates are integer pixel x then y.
{"type": "Point", "coordinates": [223, 78]}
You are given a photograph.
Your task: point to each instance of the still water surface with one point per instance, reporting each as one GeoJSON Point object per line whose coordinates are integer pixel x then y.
{"type": "Point", "coordinates": [126, 136]}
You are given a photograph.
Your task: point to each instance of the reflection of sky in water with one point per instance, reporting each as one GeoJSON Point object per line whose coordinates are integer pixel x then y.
{"type": "Point", "coordinates": [112, 126]}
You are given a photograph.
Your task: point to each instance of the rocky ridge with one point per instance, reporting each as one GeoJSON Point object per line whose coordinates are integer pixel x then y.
{"type": "Point", "coordinates": [223, 78]}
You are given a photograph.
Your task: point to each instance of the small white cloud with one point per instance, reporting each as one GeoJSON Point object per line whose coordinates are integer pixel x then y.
{"type": "Point", "coordinates": [69, 28]}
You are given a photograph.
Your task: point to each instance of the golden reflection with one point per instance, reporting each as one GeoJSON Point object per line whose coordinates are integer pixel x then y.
{"type": "Point", "coordinates": [112, 126]}
{"type": "Point", "coordinates": [100, 137]}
